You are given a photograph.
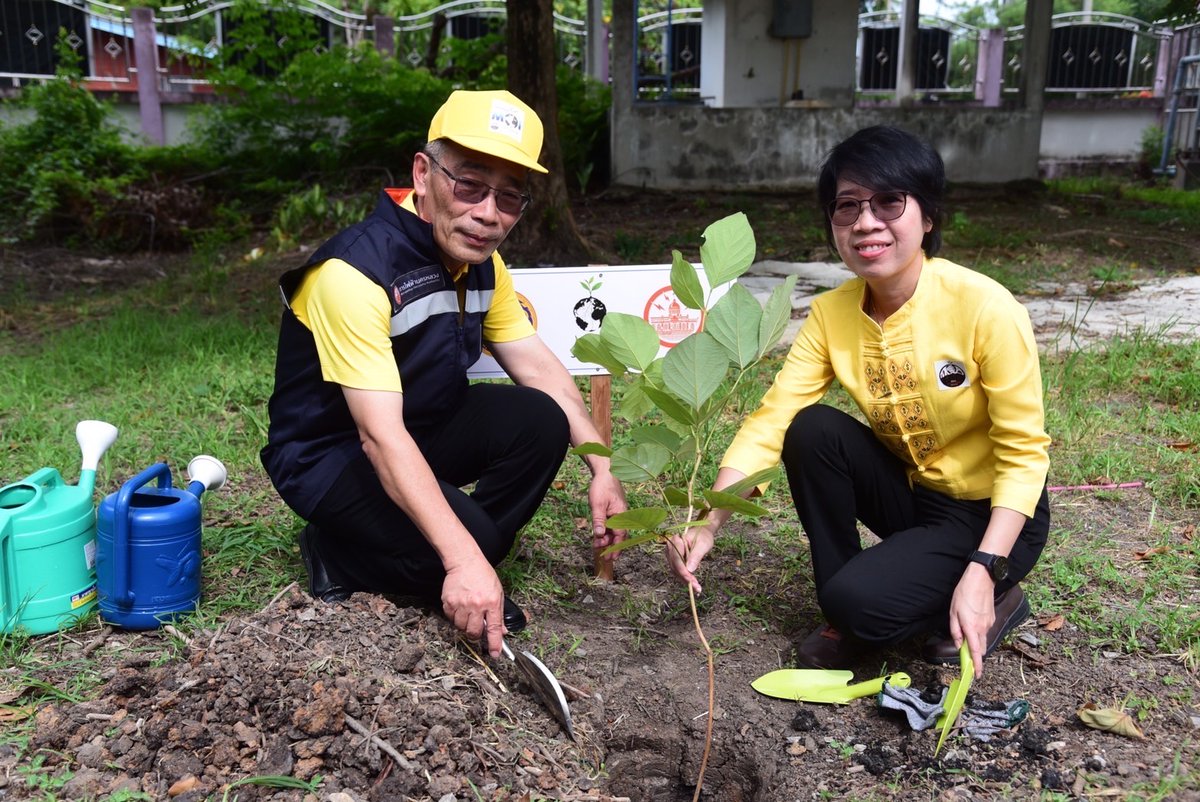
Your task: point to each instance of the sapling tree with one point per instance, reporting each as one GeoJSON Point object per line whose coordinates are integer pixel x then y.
{"type": "Point", "coordinates": [690, 387]}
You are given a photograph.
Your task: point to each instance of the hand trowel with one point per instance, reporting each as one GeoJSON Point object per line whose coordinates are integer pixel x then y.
{"type": "Point", "coordinates": [544, 683]}
{"type": "Point", "coordinates": [825, 686]}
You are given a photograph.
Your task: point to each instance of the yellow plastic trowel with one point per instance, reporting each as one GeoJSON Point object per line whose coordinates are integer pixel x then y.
{"type": "Point", "coordinates": [957, 695]}
{"type": "Point", "coordinates": [825, 686]}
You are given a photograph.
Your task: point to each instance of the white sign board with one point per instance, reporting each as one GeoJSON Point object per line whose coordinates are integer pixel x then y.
{"type": "Point", "coordinates": [564, 303]}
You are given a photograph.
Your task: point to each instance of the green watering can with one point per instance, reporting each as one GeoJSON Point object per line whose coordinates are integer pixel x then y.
{"type": "Point", "coordinates": [48, 541]}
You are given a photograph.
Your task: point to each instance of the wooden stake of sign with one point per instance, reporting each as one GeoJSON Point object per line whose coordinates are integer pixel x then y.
{"type": "Point", "coordinates": [601, 393]}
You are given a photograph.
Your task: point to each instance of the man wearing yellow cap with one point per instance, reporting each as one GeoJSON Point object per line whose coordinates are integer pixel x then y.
{"type": "Point", "coordinates": [374, 426]}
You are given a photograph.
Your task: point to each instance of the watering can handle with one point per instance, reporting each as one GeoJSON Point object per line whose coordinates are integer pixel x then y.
{"type": "Point", "coordinates": [8, 579]}
{"type": "Point", "coordinates": [46, 478]}
{"type": "Point", "coordinates": [121, 551]}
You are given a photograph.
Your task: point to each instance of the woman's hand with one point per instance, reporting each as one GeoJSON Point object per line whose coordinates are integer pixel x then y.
{"type": "Point", "coordinates": [973, 611]}
{"type": "Point", "coordinates": [685, 551]}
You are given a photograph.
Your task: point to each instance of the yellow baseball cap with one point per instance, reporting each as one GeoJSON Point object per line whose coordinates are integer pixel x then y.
{"type": "Point", "coordinates": [495, 122]}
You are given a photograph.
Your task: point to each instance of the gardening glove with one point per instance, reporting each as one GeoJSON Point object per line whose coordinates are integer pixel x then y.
{"type": "Point", "coordinates": [981, 722]}
{"type": "Point", "coordinates": [920, 713]}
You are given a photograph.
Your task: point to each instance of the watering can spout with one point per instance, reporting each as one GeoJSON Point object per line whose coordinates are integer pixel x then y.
{"type": "Point", "coordinates": [205, 473]}
{"type": "Point", "coordinates": [94, 438]}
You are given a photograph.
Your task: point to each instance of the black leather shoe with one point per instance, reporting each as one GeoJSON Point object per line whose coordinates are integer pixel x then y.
{"type": "Point", "coordinates": [825, 647]}
{"type": "Point", "coordinates": [1011, 609]}
{"type": "Point", "coordinates": [514, 617]}
{"type": "Point", "coordinates": [319, 584]}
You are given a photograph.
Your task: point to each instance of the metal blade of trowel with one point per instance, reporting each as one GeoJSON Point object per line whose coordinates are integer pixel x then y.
{"type": "Point", "coordinates": [823, 686]}
{"type": "Point", "coordinates": [545, 684]}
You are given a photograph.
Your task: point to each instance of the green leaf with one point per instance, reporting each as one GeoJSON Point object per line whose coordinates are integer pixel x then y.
{"type": "Point", "coordinates": [639, 518]}
{"type": "Point", "coordinates": [685, 282]}
{"type": "Point", "coordinates": [734, 323]}
{"type": "Point", "coordinates": [585, 449]}
{"type": "Point", "coordinates": [634, 405]}
{"type": "Point", "coordinates": [728, 249]}
{"type": "Point", "coordinates": [776, 314]}
{"type": "Point", "coordinates": [642, 463]}
{"type": "Point", "coordinates": [695, 368]}
{"type": "Point", "coordinates": [753, 480]}
{"type": "Point", "coordinates": [728, 501]}
{"type": "Point", "coordinates": [957, 695]}
{"type": "Point", "coordinates": [631, 340]}
{"type": "Point", "coordinates": [676, 497]}
{"type": "Point", "coordinates": [657, 434]}
{"type": "Point", "coordinates": [669, 405]}
{"type": "Point", "coordinates": [591, 348]}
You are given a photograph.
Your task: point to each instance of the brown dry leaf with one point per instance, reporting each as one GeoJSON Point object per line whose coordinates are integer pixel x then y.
{"type": "Point", "coordinates": [1116, 243]}
{"type": "Point", "coordinates": [1182, 445]}
{"type": "Point", "coordinates": [380, 606]}
{"type": "Point", "coordinates": [558, 485]}
{"type": "Point", "coordinates": [1146, 554]}
{"type": "Point", "coordinates": [1054, 624]}
{"type": "Point", "coordinates": [16, 713]}
{"type": "Point", "coordinates": [1028, 653]}
{"type": "Point", "coordinates": [183, 785]}
{"type": "Point", "coordinates": [1109, 719]}
{"type": "Point", "coordinates": [12, 694]}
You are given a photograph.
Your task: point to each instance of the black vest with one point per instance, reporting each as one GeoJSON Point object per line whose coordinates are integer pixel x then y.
{"type": "Point", "coordinates": [312, 436]}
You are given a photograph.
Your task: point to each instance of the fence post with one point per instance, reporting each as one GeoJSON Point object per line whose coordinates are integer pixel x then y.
{"type": "Point", "coordinates": [145, 52]}
{"type": "Point", "coordinates": [596, 58]}
{"type": "Point", "coordinates": [1162, 66]}
{"type": "Point", "coordinates": [990, 71]}
{"type": "Point", "coordinates": [1036, 56]}
{"type": "Point", "coordinates": [906, 66]}
{"type": "Point", "coordinates": [385, 36]}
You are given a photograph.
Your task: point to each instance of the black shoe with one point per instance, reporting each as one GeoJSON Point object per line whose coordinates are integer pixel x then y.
{"type": "Point", "coordinates": [1011, 609]}
{"type": "Point", "coordinates": [825, 647]}
{"type": "Point", "coordinates": [319, 584]}
{"type": "Point", "coordinates": [514, 617]}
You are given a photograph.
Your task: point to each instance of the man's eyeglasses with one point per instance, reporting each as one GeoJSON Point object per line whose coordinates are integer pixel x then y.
{"type": "Point", "coordinates": [885, 206]}
{"type": "Point", "coordinates": [468, 190]}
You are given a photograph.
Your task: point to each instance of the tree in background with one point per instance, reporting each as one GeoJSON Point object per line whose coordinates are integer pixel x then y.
{"type": "Point", "coordinates": [548, 233]}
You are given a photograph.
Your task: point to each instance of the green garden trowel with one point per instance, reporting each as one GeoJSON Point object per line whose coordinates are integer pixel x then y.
{"type": "Point", "coordinates": [826, 686]}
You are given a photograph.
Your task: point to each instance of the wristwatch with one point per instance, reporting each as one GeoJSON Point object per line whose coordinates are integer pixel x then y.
{"type": "Point", "coordinates": [997, 566]}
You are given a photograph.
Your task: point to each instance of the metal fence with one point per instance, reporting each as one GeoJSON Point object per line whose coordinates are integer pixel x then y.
{"type": "Point", "coordinates": [188, 37]}
{"type": "Point", "coordinates": [1094, 53]}
{"type": "Point", "coordinates": [99, 34]}
{"type": "Point", "coordinates": [946, 59]}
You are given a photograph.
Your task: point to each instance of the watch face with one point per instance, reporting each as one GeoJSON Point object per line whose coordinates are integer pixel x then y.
{"type": "Point", "coordinates": [1000, 568]}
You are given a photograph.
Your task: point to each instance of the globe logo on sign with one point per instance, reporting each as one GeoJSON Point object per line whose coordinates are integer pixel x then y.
{"type": "Point", "coordinates": [590, 311]}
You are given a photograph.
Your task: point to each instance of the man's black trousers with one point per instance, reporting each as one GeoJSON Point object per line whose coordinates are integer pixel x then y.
{"type": "Point", "coordinates": [840, 473]}
{"type": "Point", "coordinates": [507, 440]}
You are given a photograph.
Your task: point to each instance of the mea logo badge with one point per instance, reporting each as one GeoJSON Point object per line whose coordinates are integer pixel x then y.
{"type": "Point", "coordinates": [506, 119]}
{"type": "Point", "coordinates": [672, 320]}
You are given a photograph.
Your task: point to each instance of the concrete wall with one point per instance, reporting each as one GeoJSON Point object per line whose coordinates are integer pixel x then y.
{"type": "Point", "coordinates": [692, 147]}
{"type": "Point", "coordinates": [745, 67]}
{"type": "Point", "coordinates": [1081, 130]}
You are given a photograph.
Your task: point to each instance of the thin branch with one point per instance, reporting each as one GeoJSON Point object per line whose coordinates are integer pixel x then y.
{"type": "Point", "coordinates": [383, 745]}
{"type": "Point", "coordinates": [712, 694]}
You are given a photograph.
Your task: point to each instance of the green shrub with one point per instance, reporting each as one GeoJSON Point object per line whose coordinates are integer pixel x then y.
{"type": "Point", "coordinates": [63, 168]}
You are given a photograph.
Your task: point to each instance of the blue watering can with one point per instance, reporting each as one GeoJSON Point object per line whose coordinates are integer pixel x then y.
{"type": "Point", "coordinates": [148, 545]}
{"type": "Point", "coordinates": [48, 541]}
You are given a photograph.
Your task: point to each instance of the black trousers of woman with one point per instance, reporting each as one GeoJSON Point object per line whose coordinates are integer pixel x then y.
{"type": "Point", "coordinates": [507, 440]}
{"type": "Point", "coordinates": [839, 474]}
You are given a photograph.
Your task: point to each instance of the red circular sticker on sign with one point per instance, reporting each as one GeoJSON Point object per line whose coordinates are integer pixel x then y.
{"type": "Point", "coordinates": [672, 320]}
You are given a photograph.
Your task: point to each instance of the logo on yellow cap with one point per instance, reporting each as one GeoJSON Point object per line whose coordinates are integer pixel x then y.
{"type": "Point", "coordinates": [507, 119]}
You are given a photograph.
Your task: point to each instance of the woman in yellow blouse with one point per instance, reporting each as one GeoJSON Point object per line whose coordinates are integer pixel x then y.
{"type": "Point", "coordinates": [949, 469]}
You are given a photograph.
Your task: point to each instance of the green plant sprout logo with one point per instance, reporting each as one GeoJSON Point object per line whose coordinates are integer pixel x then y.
{"type": "Point", "coordinates": [590, 311]}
